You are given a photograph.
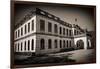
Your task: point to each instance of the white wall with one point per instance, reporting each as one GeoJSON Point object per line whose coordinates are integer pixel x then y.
{"type": "Point", "coordinates": [23, 26]}
{"type": "Point", "coordinates": [23, 42]}
{"type": "Point", "coordinates": [38, 37]}
{"type": "Point", "coordinates": [84, 38]}
{"type": "Point", "coordinates": [53, 22]}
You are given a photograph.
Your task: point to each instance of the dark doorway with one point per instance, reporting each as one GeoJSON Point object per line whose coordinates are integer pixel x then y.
{"type": "Point", "coordinates": [80, 44]}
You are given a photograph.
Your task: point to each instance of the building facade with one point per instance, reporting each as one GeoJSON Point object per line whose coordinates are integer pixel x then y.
{"type": "Point", "coordinates": [40, 32]}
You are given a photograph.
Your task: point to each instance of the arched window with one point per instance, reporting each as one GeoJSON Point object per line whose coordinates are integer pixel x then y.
{"type": "Point", "coordinates": [32, 46]}
{"type": "Point", "coordinates": [15, 47]}
{"type": "Point", "coordinates": [16, 34]}
{"type": "Point", "coordinates": [28, 45]}
{"type": "Point", "coordinates": [67, 43]}
{"type": "Point", "coordinates": [18, 47]}
{"type": "Point", "coordinates": [63, 43]}
{"type": "Point", "coordinates": [21, 46]}
{"type": "Point", "coordinates": [70, 43]}
{"type": "Point", "coordinates": [60, 44]}
{"type": "Point", "coordinates": [25, 46]}
{"type": "Point", "coordinates": [49, 44]}
{"type": "Point", "coordinates": [55, 43]}
{"type": "Point", "coordinates": [77, 44]}
{"type": "Point", "coordinates": [42, 44]}
{"type": "Point", "coordinates": [55, 28]}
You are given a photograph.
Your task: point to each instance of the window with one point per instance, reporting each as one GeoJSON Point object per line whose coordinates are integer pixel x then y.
{"type": "Point", "coordinates": [77, 44]}
{"type": "Point", "coordinates": [67, 43]}
{"type": "Point", "coordinates": [25, 29]}
{"type": "Point", "coordinates": [60, 30]}
{"type": "Point", "coordinates": [55, 43]}
{"type": "Point", "coordinates": [32, 24]}
{"type": "Point", "coordinates": [15, 47]}
{"type": "Point", "coordinates": [70, 44]}
{"type": "Point", "coordinates": [49, 27]}
{"type": "Point", "coordinates": [21, 31]}
{"type": "Point", "coordinates": [18, 47]}
{"type": "Point", "coordinates": [67, 32]}
{"type": "Point", "coordinates": [42, 44]}
{"type": "Point", "coordinates": [49, 44]}
{"type": "Point", "coordinates": [28, 27]}
{"type": "Point", "coordinates": [21, 46]}
{"type": "Point", "coordinates": [32, 46]}
{"type": "Point", "coordinates": [63, 31]}
{"type": "Point", "coordinates": [55, 28]}
{"type": "Point", "coordinates": [42, 25]}
{"type": "Point", "coordinates": [74, 32]}
{"type": "Point", "coordinates": [63, 43]}
{"type": "Point", "coordinates": [77, 32]}
{"type": "Point", "coordinates": [25, 46]}
{"type": "Point", "coordinates": [18, 33]}
{"type": "Point", "coordinates": [60, 44]}
{"type": "Point", "coordinates": [28, 45]}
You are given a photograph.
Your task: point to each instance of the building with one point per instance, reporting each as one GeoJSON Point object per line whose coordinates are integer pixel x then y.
{"type": "Point", "coordinates": [40, 32]}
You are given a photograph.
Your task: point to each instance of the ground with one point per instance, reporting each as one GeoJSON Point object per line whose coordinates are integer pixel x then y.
{"type": "Point", "coordinates": [77, 56]}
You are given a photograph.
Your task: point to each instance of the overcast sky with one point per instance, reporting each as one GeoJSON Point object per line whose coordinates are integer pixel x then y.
{"type": "Point", "coordinates": [84, 15]}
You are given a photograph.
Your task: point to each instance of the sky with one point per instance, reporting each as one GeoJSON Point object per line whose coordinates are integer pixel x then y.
{"type": "Point", "coordinates": [85, 15]}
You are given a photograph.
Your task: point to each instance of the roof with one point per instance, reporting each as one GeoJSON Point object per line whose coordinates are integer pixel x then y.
{"type": "Point", "coordinates": [38, 11]}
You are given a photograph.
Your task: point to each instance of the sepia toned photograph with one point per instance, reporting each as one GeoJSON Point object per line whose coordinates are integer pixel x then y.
{"type": "Point", "coordinates": [51, 34]}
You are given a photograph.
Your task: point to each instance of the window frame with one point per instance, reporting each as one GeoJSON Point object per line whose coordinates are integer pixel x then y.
{"type": "Point", "coordinates": [42, 25]}
{"type": "Point", "coordinates": [49, 27]}
{"type": "Point", "coordinates": [42, 44]}
{"type": "Point", "coordinates": [49, 44]}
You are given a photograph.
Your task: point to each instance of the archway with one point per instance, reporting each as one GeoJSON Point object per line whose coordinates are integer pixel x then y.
{"type": "Point", "coordinates": [80, 44]}
{"type": "Point", "coordinates": [89, 44]}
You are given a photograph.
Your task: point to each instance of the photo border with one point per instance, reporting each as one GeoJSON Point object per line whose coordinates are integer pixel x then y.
{"type": "Point", "coordinates": [12, 65]}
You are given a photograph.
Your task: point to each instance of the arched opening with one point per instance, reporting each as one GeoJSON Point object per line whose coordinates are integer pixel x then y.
{"type": "Point", "coordinates": [42, 44]}
{"type": "Point", "coordinates": [55, 28]}
{"type": "Point", "coordinates": [60, 43]}
{"type": "Point", "coordinates": [18, 47]}
{"type": "Point", "coordinates": [80, 44]}
{"type": "Point", "coordinates": [89, 44]}
{"type": "Point", "coordinates": [63, 43]}
{"type": "Point", "coordinates": [21, 46]}
{"type": "Point", "coordinates": [25, 46]}
{"type": "Point", "coordinates": [55, 43]}
{"type": "Point", "coordinates": [32, 44]}
{"type": "Point", "coordinates": [49, 44]}
{"type": "Point", "coordinates": [28, 45]}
